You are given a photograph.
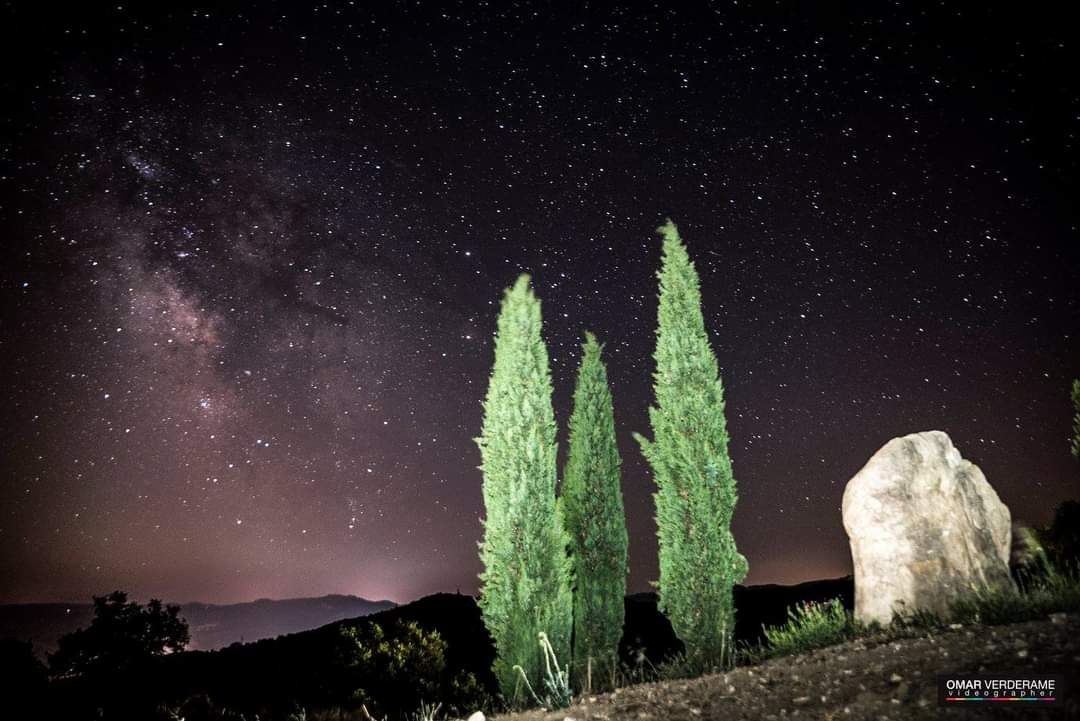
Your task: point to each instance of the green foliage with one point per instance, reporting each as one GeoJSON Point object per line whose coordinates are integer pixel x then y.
{"type": "Point", "coordinates": [557, 691]}
{"type": "Point", "coordinates": [1074, 444]}
{"type": "Point", "coordinates": [817, 625]}
{"type": "Point", "coordinates": [809, 626]}
{"type": "Point", "coordinates": [525, 582]}
{"type": "Point", "coordinates": [1035, 598]}
{"type": "Point", "coordinates": [427, 712]}
{"type": "Point", "coordinates": [407, 664]}
{"type": "Point", "coordinates": [122, 635]}
{"type": "Point", "coordinates": [386, 671]}
{"type": "Point", "coordinates": [592, 508]}
{"type": "Point", "coordinates": [695, 496]}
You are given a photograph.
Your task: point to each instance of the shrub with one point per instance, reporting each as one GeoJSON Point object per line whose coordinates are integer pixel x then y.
{"type": "Point", "coordinates": [1035, 598]}
{"type": "Point", "coordinates": [809, 626]}
{"type": "Point", "coordinates": [389, 672]}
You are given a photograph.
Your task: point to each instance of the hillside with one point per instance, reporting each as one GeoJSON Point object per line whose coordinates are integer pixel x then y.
{"type": "Point", "coordinates": [860, 680]}
{"type": "Point", "coordinates": [212, 626]}
{"type": "Point", "coordinates": [457, 619]}
{"type": "Point", "coordinates": [269, 675]}
{"type": "Point", "coordinates": [323, 669]}
{"type": "Point", "coordinates": [272, 671]}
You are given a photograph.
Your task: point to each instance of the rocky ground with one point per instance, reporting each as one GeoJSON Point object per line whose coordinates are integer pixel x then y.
{"type": "Point", "coordinates": [865, 679]}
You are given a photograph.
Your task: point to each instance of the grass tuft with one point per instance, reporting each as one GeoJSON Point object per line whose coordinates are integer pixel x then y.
{"type": "Point", "coordinates": [427, 712]}
{"type": "Point", "coordinates": [1037, 596]}
{"type": "Point", "coordinates": [558, 693]}
{"type": "Point", "coordinates": [810, 626]}
{"type": "Point", "coordinates": [816, 625]}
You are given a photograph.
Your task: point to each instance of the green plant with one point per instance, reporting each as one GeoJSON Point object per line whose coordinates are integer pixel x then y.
{"type": "Point", "coordinates": [681, 666]}
{"type": "Point", "coordinates": [558, 693]}
{"type": "Point", "coordinates": [809, 626]}
{"type": "Point", "coordinates": [816, 625]}
{"type": "Point", "coordinates": [525, 581]}
{"type": "Point", "coordinates": [592, 508]}
{"type": "Point", "coordinates": [427, 712]}
{"type": "Point", "coordinates": [695, 498]}
{"type": "Point", "coordinates": [383, 670]}
{"type": "Point", "coordinates": [638, 669]}
{"type": "Point", "coordinates": [1035, 597]}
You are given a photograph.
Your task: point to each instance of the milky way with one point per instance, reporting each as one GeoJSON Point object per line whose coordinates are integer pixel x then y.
{"type": "Point", "coordinates": [253, 259]}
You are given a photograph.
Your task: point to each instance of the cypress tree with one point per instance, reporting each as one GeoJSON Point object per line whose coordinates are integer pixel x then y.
{"type": "Point", "coordinates": [695, 495]}
{"type": "Point", "coordinates": [593, 511]}
{"type": "Point", "coordinates": [1074, 444]}
{"type": "Point", "coordinates": [525, 581]}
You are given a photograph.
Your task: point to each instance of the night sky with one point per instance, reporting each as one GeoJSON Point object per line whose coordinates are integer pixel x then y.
{"type": "Point", "coordinates": [252, 259]}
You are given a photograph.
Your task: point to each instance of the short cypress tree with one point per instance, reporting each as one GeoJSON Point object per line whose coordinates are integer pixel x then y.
{"type": "Point", "coordinates": [525, 581]}
{"type": "Point", "coordinates": [592, 507]}
{"type": "Point", "coordinates": [695, 496]}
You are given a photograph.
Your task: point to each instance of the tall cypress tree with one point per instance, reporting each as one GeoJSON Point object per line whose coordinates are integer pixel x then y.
{"type": "Point", "coordinates": [525, 582]}
{"type": "Point", "coordinates": [695, 495]}
{"type": "Point", "coordinates": [1074, 444]}
{"type": "Point", "coordinates": [593, 511]}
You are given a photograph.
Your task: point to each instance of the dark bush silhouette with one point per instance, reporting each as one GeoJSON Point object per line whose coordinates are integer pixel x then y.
{"type": "Point", "coordinates": [23, 674]}
{"type": "Point", "coordinates": [122, 635]}
{"type": "Point", "coordinates": [1062, 538]}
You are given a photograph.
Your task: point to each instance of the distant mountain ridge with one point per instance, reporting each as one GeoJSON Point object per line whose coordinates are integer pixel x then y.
{"type": "Point", "coordinates": [218, 626]}
{"type": "Point", "coordinates": [274, 674]}
{"type": "Point", "coordinates": [212, 625]}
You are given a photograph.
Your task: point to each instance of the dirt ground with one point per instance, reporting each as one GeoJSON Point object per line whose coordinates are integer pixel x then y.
{"type": "Point", "coordinates": [865, 679]}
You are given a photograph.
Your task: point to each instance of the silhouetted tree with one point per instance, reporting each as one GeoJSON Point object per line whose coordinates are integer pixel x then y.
{"type": "Point", "coordinates": [592, 506]}
{"type": "Point", "coordinates": [525, 585]}
{"type": "Point", "coordinates": [695, 496]}
{"type": "Point", "coordinates": [24, 676]}
{"type": "Point", "coordinates": [121, 635]}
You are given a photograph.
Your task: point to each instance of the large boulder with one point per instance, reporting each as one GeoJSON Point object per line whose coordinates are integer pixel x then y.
{"type": "Point", "coordinates": [925, 529]}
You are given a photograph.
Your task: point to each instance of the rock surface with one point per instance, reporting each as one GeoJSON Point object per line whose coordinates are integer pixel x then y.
{"type": "Point", "coordinates": [925, 529]}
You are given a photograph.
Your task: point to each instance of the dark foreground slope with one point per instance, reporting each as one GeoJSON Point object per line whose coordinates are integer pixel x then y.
{"type": "Point", "coordinates": [861, 680]}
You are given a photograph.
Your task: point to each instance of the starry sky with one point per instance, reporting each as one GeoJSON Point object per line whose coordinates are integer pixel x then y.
{"type": "Point", "coordinates": [252, 258]}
